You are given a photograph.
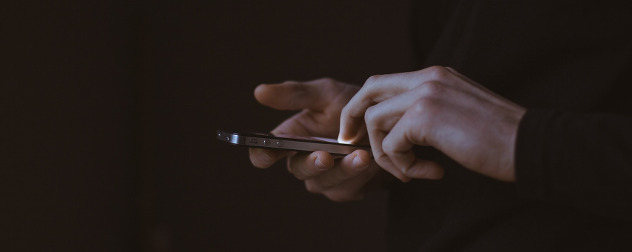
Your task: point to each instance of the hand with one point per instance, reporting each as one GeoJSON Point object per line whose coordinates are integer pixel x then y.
{"type": "Point", "coordinates": [321, 102]}
{"type": "Point", "coordinates": [436, 107]}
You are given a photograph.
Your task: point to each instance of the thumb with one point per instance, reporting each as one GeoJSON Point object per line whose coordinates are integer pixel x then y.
{"type": "Point", "coordinates": [293, 95]}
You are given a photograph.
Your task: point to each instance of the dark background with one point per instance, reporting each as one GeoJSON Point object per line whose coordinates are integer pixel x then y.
{"type": "Point", "coordinates": [108, 112]}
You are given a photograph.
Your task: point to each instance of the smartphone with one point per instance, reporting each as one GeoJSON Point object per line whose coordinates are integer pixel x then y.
{"type": "Point", "coordinates": [285, 142]}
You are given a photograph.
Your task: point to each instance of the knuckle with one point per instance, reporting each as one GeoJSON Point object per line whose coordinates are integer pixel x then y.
{"type": "Point", "coordinates": [438, 72]}
{"type": "Point", "coordinates": [424, 110]}
{"type": "Point", "coordinates": [430, 89]}
{"type": "Point", "coordinates": [370, 114]}
{"type": "Point", "coordinates": [372, 80]}
{"type": "Point", "coordinates": [425, 107]}
{"type": "Point", "coordinates": [388, 147]}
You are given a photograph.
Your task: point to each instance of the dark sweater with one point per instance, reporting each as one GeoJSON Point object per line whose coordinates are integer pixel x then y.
{"type": "Point", "coordinates": [569, 63]}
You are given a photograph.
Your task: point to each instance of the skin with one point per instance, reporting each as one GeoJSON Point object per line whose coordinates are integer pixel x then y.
{"type": "Point", "coordinates": [320, 103]}
{"type": "Point", "coordinates": [436, 107]}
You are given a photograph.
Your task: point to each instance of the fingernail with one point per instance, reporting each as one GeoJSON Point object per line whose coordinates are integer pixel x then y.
{"type": "Point", "coordinates": [344, 141]}
{"type": "Point", "coordinates": [319, 163]}
{"type": "Point", "coordinates": [358, 163]}
{"type": "Point", "coordinates": [266, 157]}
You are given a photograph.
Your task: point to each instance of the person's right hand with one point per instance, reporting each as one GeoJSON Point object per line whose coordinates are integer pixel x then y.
{"type": "Point", "coordinates": [321, 102]}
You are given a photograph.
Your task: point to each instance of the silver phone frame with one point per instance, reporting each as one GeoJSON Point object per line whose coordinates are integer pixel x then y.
{"type": "Point", "coordinates": [269, 141]}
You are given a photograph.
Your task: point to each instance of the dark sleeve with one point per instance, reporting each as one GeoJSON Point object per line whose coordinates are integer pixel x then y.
{"type": "Point", "coordinates": [428, 19]}
{"type": "Point", "coordinates": [580, 160]}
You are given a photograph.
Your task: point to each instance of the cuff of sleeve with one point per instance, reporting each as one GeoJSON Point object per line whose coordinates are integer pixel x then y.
{"type": "Point", "coordinates": [532, 176]}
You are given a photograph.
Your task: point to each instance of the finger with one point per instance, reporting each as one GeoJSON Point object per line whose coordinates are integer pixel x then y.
{"type": "Point", "coordinates": [350, 126]}
{"type": "Point", "coordinates": [379, 88]}
{"type": "Point", "coordinates": [349, 167]}
{"type": "Point", "coordinates": [263, 158]}
{"type": "Point", "coordinates": [360, 135]}
{"type": "Point", "coordinates": [305, 166]}
{"type": "Point", "coordinates": [292, 95]}
{"type": "Point", "coordinates": [373, 91]}
{"type": "Point", "coordinates": [376, 137]}
{"type": "Point", "coordinates": [398, 144]}
{"type": "Point", "coordinates": [383, 116]}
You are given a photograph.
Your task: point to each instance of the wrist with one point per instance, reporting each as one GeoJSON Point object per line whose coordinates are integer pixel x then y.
{"type": "Point", "coordinates": [507, 170]}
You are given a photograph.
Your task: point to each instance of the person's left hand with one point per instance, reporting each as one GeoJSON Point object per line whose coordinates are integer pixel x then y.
{"type": "Point", "coordinates": [320, 101]}
{"type": "Point", "coordinates": [435, 107]}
